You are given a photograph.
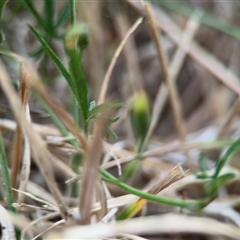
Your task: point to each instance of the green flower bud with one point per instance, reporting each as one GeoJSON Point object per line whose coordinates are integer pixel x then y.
{"type": "Point", "coordinates": [77, 37]}
{"type": "Point", "coordinates": [140, 116]}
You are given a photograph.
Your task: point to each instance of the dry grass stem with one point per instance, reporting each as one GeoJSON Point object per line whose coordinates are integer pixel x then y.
{"type": "Point", "coordinates": [114, 60]}
{"type": "Point", "coordinates": [43, 130]}
{"type": "Point", "coordinates": [7, 228]}
{"type": "Point", "coordinates": [126, 156]}
{"type": "Point", "coordinates": [38, 147]}
{"type": "Point", "coordinates": [229, 117]}
{"type": "Point", "coordinates": [17, 153]}
{"type": "Point", "coordinates": [49, 228]}
{"type": "Point", "coordinates": [50, 206]}
{"type": "Point", "coordinates": [176, 174]}
{"type": "Point", "coordinates": [174, 99]}
{"type": "Point", "coordinates": [90, 176]}
{"type": "Point", "coordinates": [199, 54]}
{"type": "Point", "coordinates": [60, 112]}
{"type": "Point", "coordinates": [101, 197]}
{"type": "Point", "coordinates": [45, 217]}
{"type": "Point", "coordinates": [174, 69]}
{"type": "Point", "coordinates": [147, 225]}
{"type": "Point", "coordinates": [130, 53]}
{"type": "Point", "coordinates": [26, 161]}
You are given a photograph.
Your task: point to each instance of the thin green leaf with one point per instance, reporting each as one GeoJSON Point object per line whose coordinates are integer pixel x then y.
{"type": "Point", "coordinates": [231, 150]}
{"type": "Point", "coordinates": [28, 4]}
{"type": "Point", "coordinates": [80, 84]}
{"type": "Point", "coordinates": [93, 111]}
{"type": "Point", "coordinates": [76, 40]}
{"type": "Point", "coordinates": [63, 15]}
{"type": "Point", "coordinates": [5, 174]}
{"type": "Point", "coordinates": [49, 15]}
{"type": "Point", "coordinates": [190, 204]}
{"type": "Point", "coordinates": [2, 37]}
{"type": "Point", "coordinates": [2, 4]}
{"type": "Point", "coordinates": [212, 187]}
{"type": "Point", "coordinates": [72, 12]}
{"type": "Point", "coordinates": [55, 59]}
{"type": "Point", "coordinates": [110, 133]}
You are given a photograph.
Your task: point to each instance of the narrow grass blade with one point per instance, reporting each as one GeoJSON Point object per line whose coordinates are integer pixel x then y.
{"type": "Point", "coordinates": [49, 15]}
{"type": "Point", "coordinates": [76, 41]}
{"type": "Point", "coordinates": [231, 150]}
{"type": "Point", "coordinates": [5, 174]}
{"type": "Point", "coordinates": [2, 4]}
{"type": "Point", "coordinates": [30, 7]}
{"type": "Point", "coordinates": [72, 12]}
{"type": "Point", "coordinates": [55, 59]}
{"type": "Point", "coordinates": [132, 209]}
{"type": "Point", "coordinates": [63, 15]}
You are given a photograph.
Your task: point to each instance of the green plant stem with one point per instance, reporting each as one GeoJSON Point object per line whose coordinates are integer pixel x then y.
{"type": "Point", "coordinates": [5, 174]}
{"type": "Point", "coordinates": [75, 111]}
{"type": "Point", "coordinates": [2, 4]}
{"type": "Point", "coordinates": [56, 60]}
{"type": "Point", "coordinates": [72, 5]}
{"type": "Point", "coordinates": [30, 7]}
{"type": "Point", "coordinates": [189, 204]}
{"type": "Point", "coordinates": [75, 106]}
{"type": "Point", "coordinates": [55, 119]}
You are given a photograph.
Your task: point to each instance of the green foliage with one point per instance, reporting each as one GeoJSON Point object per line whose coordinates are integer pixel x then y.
{"type": "Point", "coordinates": [5, 174]}
{"type": "Point", "coordinates": [95, 111]}
{"type": "Point", "coordinates": [55, 59]}
{"type": "Point", "coordinates": [2, 4]}
{"type": "Point", "coordinates": [140, 117]}
{"type": "Point", "coordinates": [75, 42]}
{"type": "Point", "coordinates": [30, 7]}
{"type": "Point", "coordinates": [231, 150]}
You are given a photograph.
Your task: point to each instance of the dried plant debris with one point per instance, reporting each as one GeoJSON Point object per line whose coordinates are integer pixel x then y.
{"type": "Point", "coordinates": [119, 120]}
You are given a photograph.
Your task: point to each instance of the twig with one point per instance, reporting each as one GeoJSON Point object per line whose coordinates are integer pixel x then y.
{"type": "Point", "coordinates": [199, 54]}
{"type": "Point", "coordinates": [38, 147]}
{"type": "Point", "coordinates": [90, 175]}
{"type": "Point", "coordinates": [174, 99]}
{"type": "Point", "coordinates": [230, 116]}
{"type": "Point", "coordinates": [174, 68]}
{"type": "Point", "coordinates": [114, 60]}
{"type": "Point", "coordinates": [45, 217]}
{"type": "Point", "coordinates": [130, 53]}
{"type": "Point", "coordinates": [49, 228]}
{"type": "Point", "coordinates": [26, 161]}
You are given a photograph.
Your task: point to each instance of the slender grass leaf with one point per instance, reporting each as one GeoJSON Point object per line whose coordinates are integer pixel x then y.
{"type": "Point", "coordinates": [110, 133]}
{"type": "Point", "coordinates": [72, 12]}
{"type": "Point", "coordinates": [75, 42]}
{"type": "Point", "coordinates": [5, 174]}
{"type": "Point", "coordinates": [231, 150]}
{"type": "Point", "coordinates": [49, 15]}
{"type": "Point", "coordinates": [28, 4]}
{"type": "Point", "coordinates": [63, 16]}
{"type": "Point", "coordinates": [55, 59]}
{"type": "Point", "coordinates": [81, 88]}
{"type": "Point", "coordinates": [2, 4]}
{"type": "Point", "coordinates": [212, 187]}
{"type": "Point", "coordinates": [2, 37]}
{"type": "Point", "coordinates": [132, 209]}
{"type": "Point", "coordinates": [104, 107]}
